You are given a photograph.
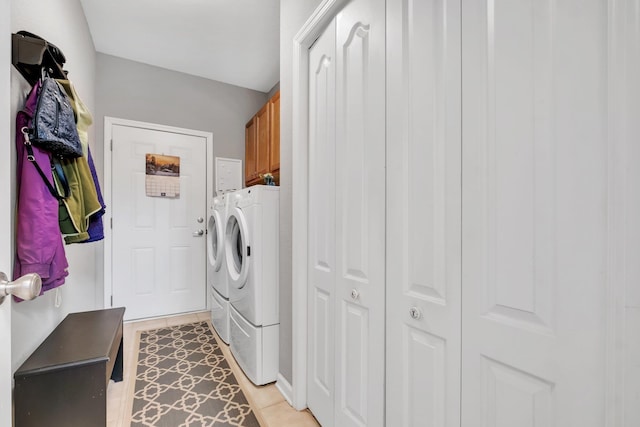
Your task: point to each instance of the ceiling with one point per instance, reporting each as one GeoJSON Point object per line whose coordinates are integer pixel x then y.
{"type": "Point", "coordinates": [231, 41]}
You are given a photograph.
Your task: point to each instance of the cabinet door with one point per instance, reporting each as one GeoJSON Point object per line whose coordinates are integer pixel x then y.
{"type": "Point", "coordinates": [423, 213]}
{"type": "Point", "coordinates": [250, 151]}
{"type": "Point", "coordinates": [274, 141]}
{"type": "Point", "coordinates": [534, 213]}
{"type": "Point", "coordinates": [262, 135]}
{"type": "Point", "coordinates": [360, 219]}
{"type": "Point", "coordinates": [322, 227]}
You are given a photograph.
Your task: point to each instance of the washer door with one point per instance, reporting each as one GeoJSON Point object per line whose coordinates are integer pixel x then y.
{"type": "Point", "coordinates": [215, 240]}
{"type": "Point", "coordinates": [237, 248]}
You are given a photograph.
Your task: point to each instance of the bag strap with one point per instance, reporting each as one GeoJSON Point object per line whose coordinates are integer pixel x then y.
{"type": "Point", "coordinates": [55, 168]}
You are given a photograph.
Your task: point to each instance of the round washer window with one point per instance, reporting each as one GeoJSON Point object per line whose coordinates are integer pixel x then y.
{"type": "Point", "coordinates": [215, 244]}
{"type": "Point", "coordinates": [212, 232]}
{"type": "Point", "coordinates": [236, 244]}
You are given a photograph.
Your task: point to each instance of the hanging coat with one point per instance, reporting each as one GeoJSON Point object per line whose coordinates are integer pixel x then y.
{"type": "Point", "coordinates": [39, 247]}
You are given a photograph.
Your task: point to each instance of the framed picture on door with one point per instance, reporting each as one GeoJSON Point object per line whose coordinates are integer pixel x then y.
{"type": "Point", "coordinates": [162, 175]}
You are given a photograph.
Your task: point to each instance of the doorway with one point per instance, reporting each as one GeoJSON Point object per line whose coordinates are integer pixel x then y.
{"type": "Point", "coordinates": [155, 245]}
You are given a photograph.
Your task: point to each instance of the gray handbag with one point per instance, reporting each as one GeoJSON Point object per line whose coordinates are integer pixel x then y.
{"type": "Point", "coordinates": [54, 125]}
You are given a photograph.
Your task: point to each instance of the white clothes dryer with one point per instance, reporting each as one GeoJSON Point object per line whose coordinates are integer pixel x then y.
{"type": "Point", "coordinates": [251, 246]}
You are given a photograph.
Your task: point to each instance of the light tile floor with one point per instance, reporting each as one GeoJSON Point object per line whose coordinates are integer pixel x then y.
{"type": "Point", "coordinates": [269, 405]}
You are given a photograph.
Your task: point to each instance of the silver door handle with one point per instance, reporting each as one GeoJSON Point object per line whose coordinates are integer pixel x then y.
{"type": "Point", "coordinates": [355, 294]}
{"type": "Point", "coordinates": [198, 233]}
{"type": "Point", "coordinates": [200, 220]}
{"type": "Point", "coordinates": [25, 287]}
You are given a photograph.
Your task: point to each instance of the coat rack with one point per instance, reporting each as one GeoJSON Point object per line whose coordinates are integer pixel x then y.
{"type": "Point", "coordinates": [32, 55]}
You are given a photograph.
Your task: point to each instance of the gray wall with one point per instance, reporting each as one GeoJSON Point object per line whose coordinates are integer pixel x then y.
{"type": "Point", "coordinates": [63, 23]}
{"type": "Point", "coordinates": [136, 91]}
{"type": "Point", "coordinates": [273, 90]}
{"type": "Point", "coordinates": [293, 14]}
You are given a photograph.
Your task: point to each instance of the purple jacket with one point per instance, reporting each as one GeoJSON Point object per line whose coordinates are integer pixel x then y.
{"type": "Point", "coordinates": [39, 247]}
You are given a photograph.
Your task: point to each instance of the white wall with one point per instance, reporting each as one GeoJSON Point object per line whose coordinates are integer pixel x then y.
{"type": "Point", "coordinates": [5, 215]}
{"type": "Point", "coordinates": [630, 144]}
{"type": "Point", "coordinates": [63, 23]}
{"type": "Point", "coordinates": [293, 14]}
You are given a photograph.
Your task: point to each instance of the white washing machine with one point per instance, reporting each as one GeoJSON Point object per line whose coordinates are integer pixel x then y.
{"type": "Point", "coordinates": [215, 246]}
{"type": "Point", "coordinates": [217, 267]}
{"type": "Point", "coordinates": [251, 254]}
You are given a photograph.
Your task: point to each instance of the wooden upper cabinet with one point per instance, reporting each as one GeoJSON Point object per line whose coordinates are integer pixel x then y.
{"type": "Point", "coordinates": [274, 146]}
{"type": "Point", "coordinates": [262, 143]}
{"type": "Point", "coordinates": [250, 151]}
{"type": "Point", "coordinates": [262, 132]}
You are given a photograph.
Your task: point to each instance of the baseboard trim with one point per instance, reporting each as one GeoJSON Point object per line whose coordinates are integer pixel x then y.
{"type": "Point", "coordinates": [285, 388]}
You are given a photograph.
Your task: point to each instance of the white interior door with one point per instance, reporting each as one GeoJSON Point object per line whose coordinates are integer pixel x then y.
{"type": "Point", "coordinates": [423, 213]}
{"type": "Point", "coordinates": [158, 244]}
{"type": "Point", "coordinates": [322, 228]}
{"type": "Point", "coordinates": [534, 213]}
{"type": "Point", "coordinates": [360, 219]}
{"type": "Point", "coordinates": [6, 226]}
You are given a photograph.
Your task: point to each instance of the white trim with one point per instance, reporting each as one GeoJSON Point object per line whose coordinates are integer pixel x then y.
{"type": "Point", "coordinates": [308, 34]}
{"type": "Point", "coordinates": [109, 122]}
{"type": "Point", "coordinates": [614, 404]}
{"type": "Point", "coordinates": [285, 388]}
{"type": "Point", "coordinates": [623, 47]}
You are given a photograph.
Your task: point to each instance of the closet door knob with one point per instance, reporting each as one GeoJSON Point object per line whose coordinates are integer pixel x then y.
{"type": "Point", "coordinates": [200, 220]}
{"type": "Point", "coordinates": [415, 313]}
{"type": "Point", "coordinates": [198, 233]}
{"type": "Point", "coordinates": [354, 294]}
{"type": "Point", "coordinates": [25, 287]}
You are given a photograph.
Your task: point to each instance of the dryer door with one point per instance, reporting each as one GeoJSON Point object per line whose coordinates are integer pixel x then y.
{"type": "Point", "coordinates": [215, 240]}
{"type": "Point", "coordinates": [237, 248]}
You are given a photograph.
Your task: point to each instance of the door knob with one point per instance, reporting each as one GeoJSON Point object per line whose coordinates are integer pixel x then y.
{"type": "Point", "coordinates": [25, 287]}
{"type": "Point", "coordinates": [200, 220]}
{"type": "Point", "coordinates": [415, 313]}
{"type": "Point", "coordinates": [354, 294]}
{"type": "Point", "coordinates": [198, 233]}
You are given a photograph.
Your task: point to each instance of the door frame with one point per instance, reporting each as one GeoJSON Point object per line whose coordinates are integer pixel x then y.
{"type": "Point", "coordinates": [109, 122]}
{"type": "Point", "coordinates": [302, 42]}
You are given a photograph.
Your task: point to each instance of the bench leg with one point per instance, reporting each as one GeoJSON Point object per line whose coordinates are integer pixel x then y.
{"type": "Point", "coordinates": [116, 375]}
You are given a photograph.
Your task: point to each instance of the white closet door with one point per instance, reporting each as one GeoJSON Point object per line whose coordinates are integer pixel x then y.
{"type": "Point", "coordinates": [423, 213]}
{"type": "Point", "coordinates": [322, 227]}
{"type": "Point", "coordinates": [360, 221]}
{"type": "Point", "coordinates": [534, 213]}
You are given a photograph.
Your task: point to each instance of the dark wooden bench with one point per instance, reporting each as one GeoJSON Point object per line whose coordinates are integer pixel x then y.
{"type": "Point", "coordinates": [64, 382]}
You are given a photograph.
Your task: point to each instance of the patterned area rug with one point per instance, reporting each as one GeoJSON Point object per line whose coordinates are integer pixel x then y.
{"type": "Point", "coordinates": [183, 380]}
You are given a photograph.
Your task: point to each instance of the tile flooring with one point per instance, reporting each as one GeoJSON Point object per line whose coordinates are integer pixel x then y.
{"type": "Point", "coordinates": [270, 407]}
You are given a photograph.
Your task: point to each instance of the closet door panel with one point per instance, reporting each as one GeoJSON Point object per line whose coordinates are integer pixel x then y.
{"type": "Point", "coordinates": [322, 229]}
{"type": "Point", "coordinates": [533, 78]}
{"type": "Point", "coordinates": [423, 213]}
{"type": "Point", "coordinates": [360, 198]}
